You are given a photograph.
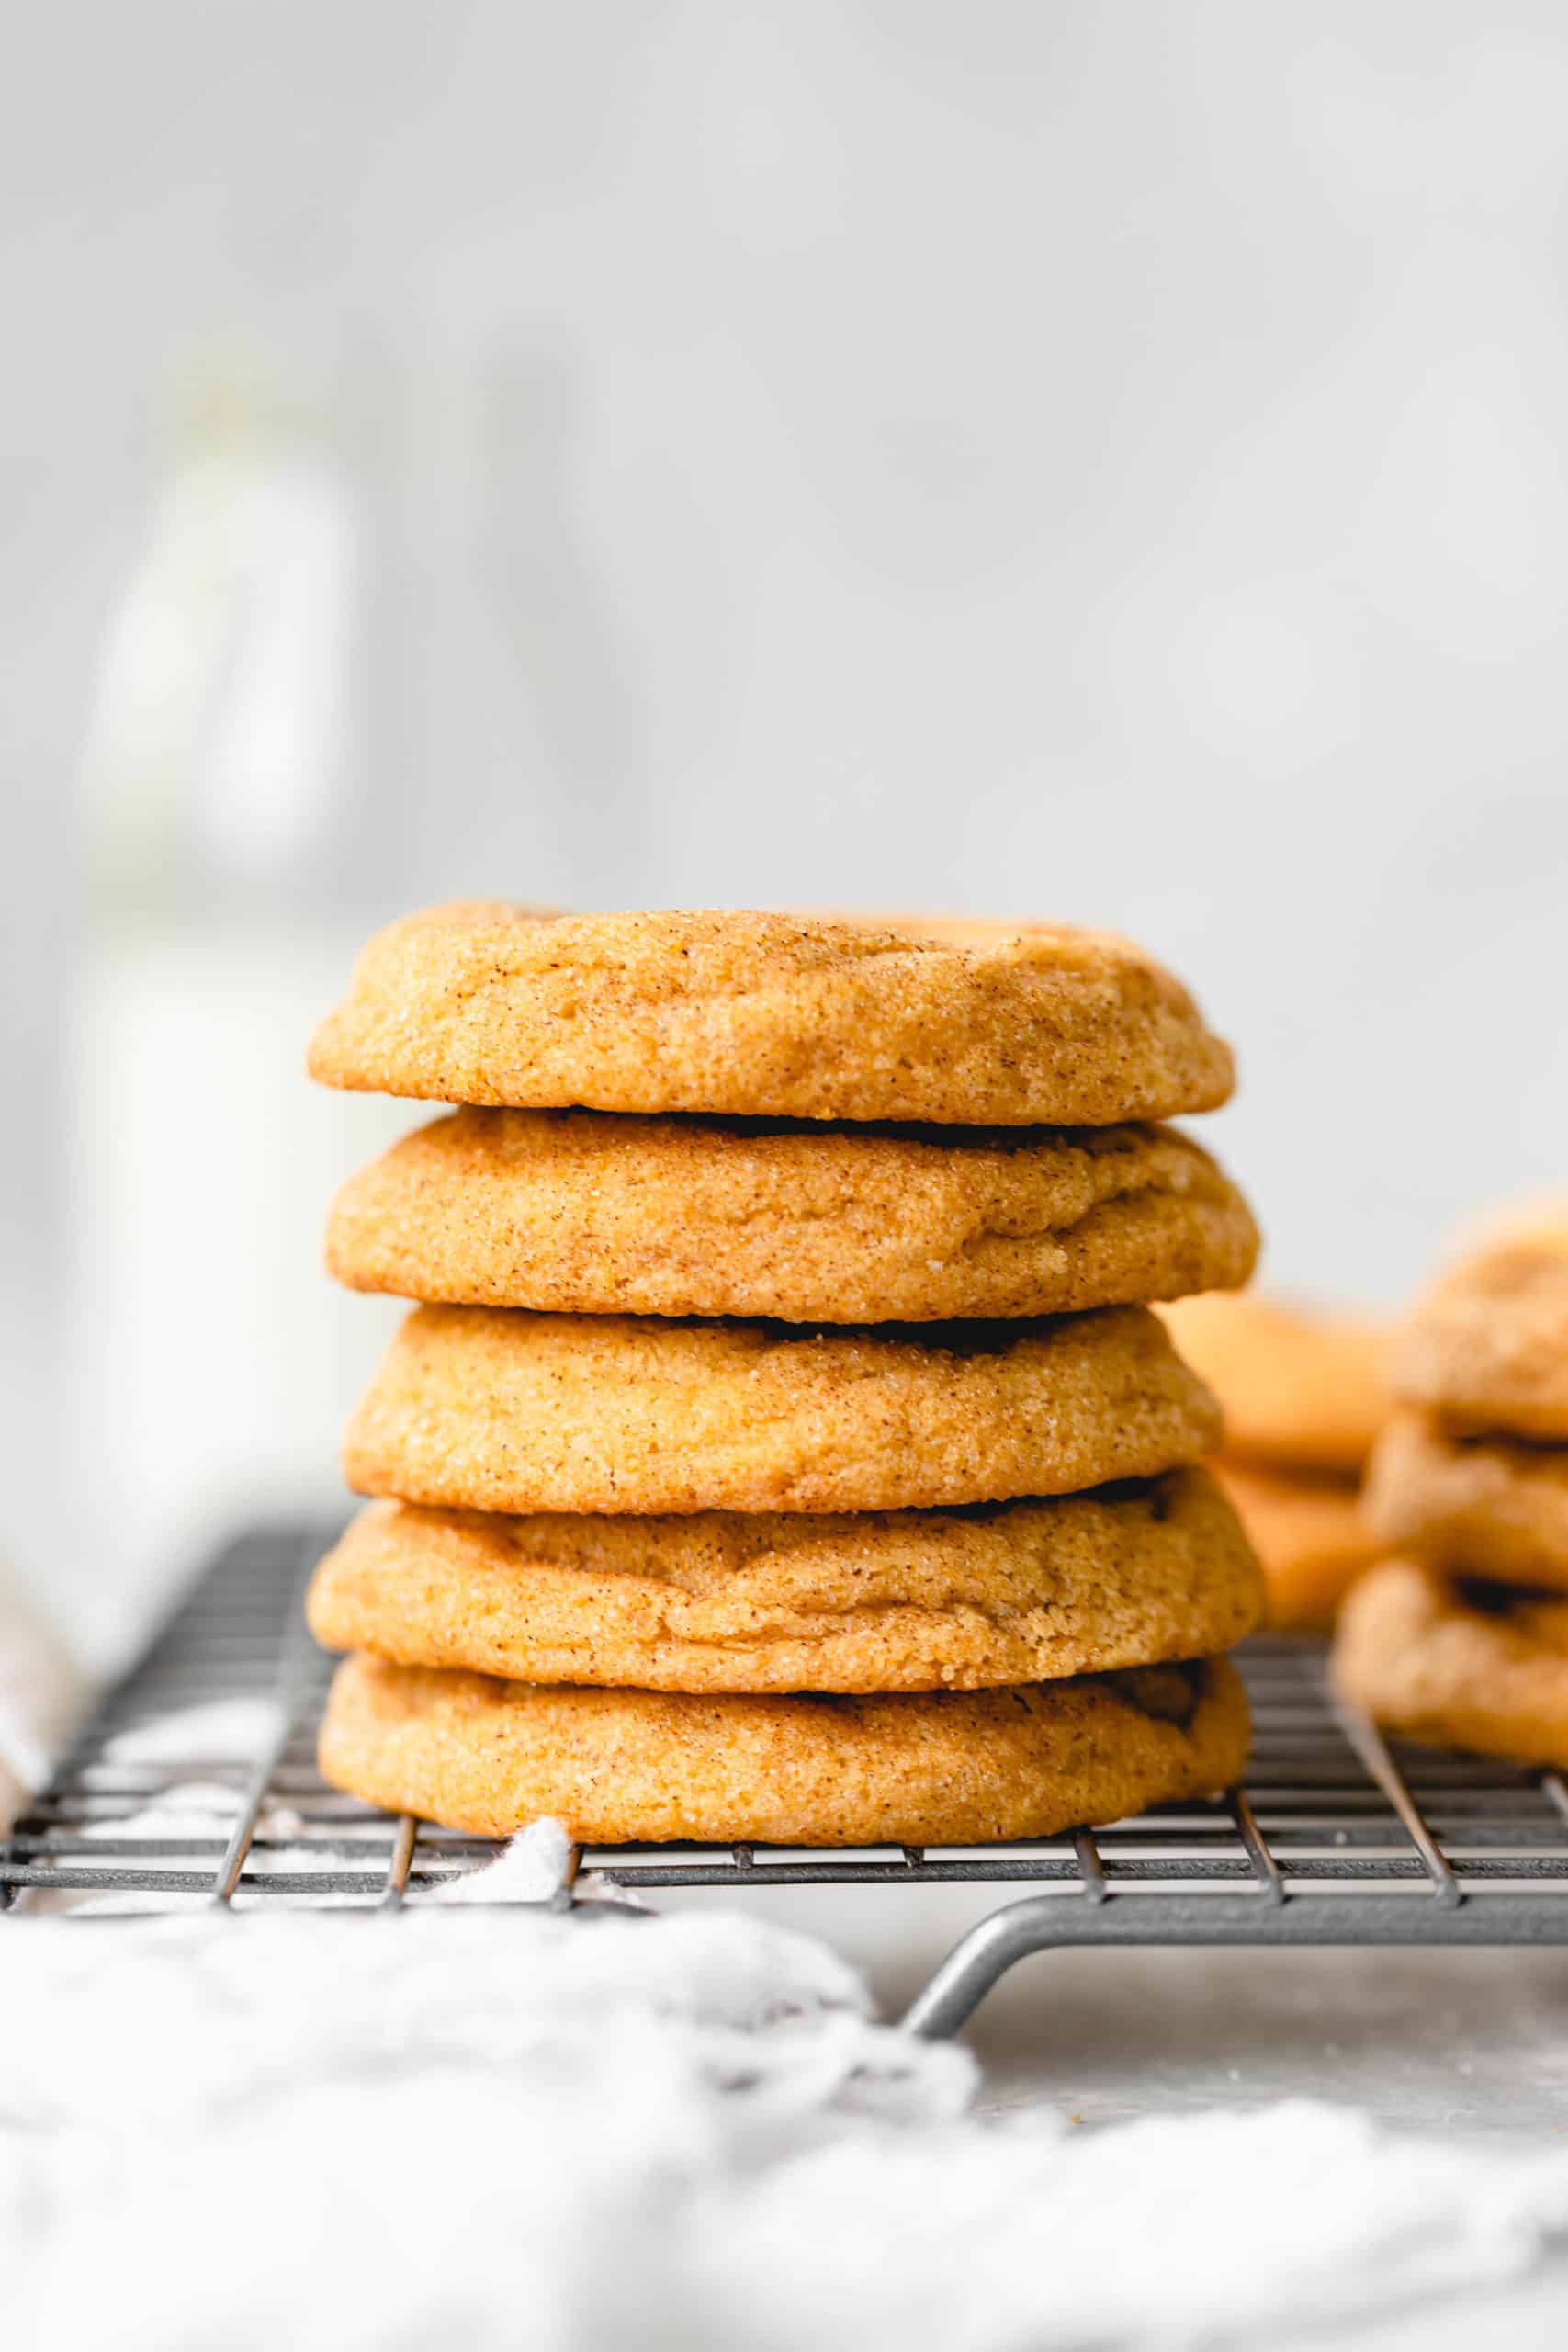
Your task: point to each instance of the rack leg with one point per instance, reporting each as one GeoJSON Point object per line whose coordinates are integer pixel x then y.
{"type": "Point", "coordinates": [1419, 1914]}
{"type": "Point", "coordinates": [978, 1959]}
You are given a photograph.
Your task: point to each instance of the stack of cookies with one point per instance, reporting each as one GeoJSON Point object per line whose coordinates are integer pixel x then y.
{"type": "Point", "coordinates": [1305, 1395]}
{"type": "Point", "coordinates": [780, 1449]}
{"type": "Point", "coordinates": [1462, 1639]}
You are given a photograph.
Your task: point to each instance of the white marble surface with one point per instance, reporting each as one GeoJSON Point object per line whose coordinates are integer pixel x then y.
{"type": "Point", "coordinates": [1470, 2042]}
{"type": "Point", "coordinates": [1471, 2045]}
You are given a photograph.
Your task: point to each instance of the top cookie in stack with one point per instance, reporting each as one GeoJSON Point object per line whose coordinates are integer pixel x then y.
{"type": "Point", "coordinates": [920, 1153]}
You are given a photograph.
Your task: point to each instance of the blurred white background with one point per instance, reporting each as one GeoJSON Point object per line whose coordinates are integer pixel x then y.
{"type": "Point", "coordinates": [1105, 462]}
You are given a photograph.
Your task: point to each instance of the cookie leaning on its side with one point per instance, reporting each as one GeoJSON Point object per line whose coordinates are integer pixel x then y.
{"type": "Point", "coordinates": [1300, 1389]}
{"type": "Point", "coordinates": [1304, 1395]}
{"type": "Point", "coordinates": [1308, 1533]}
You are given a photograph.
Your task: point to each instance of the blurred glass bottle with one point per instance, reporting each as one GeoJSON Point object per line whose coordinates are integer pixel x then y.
{"type": "Point", "coordinates": [222, 785]}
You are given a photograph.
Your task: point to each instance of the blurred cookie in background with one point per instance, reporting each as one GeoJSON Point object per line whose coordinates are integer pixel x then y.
{"type": "Point", "coordinates": [1305, 1395]}
{"type": "Point", "coordinates": [1307, 1530]}
{"type": "Point", "coordinates": [1485, 1351]}
{"type": "Point", "coordinates": [1456, 1664]}
{"type": "Point", "coordinates": [1298, 1385]}
{"type": "Point", "coordinates": [1462, 1640]}
{"type": "Point", "coordinates": [1493, 1508]}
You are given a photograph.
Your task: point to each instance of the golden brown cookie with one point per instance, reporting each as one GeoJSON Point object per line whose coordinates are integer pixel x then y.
{"type": "Point", "coordinates": [944, 1767]}
{"type": "Point", "coordinates": [481, 1408]}
{"type": "Point", "coordinates": [1487, 1348]}
{"type": "Point", "coordinates": [1296, 1385]}
{"type": "Point", "coordinates": [778, 1015]}
{"type": "Point", "coordinates": [1477, 1507]}
{"type": "Point", "coordinates": [1308, 1533]}
{"type": "Point", "coordinates": [965, 931]}
{"type": "Point", "coordinates": [903, 1600]}
{"type": "Point", "coordinates": [1457, 1666]}
{"type": "Point", "coordinates": [585, 1213]}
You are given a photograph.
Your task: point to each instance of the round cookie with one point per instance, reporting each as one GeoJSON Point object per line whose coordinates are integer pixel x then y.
{"type": "Point", "coordinates": [769, 1014]}
{"type": "Point", "coordinates": [480, 1408]}
{"type": "Point", "coordinates": [963, 931]}
{"type": "Point", "coordinates": [1486, 1350]}
{"type": "Point", "coordinates": [909, 1600]}
{"type": "Point", "coordinates": [1308, 1533]}
{"type": "Point", "coordinates": [583, 1211]}
{"type": "Point", "coordinates": [1477, 1507]}
{"type": "Point", "coordinates": [1296, 1386]}
{"type": "Point", "coordinates": [1417, 1654]}
{"type": "Point", "coordinates": [944, 1767]}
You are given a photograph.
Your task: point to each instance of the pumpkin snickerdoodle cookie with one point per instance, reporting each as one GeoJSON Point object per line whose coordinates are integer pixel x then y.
{"type": "Point", "coordinates": [1457, 1664]}
{"type": "Point", "coordinates": [777, 1015]}
{"type": "Point", "coordinates": [497, 1409]}
{"type": "Point", "coordinates": [587, 1213]}
{"type": "Point", "coordinates": [1477, 1507]}
{"type": "Point", "coordinates": [1297, 1386]}
{"type": "Point", "coordinates": [1308, 1533]}
{"type": "Point", "coordinates": [903, 1600]}
{"type": "Point", "coordinates": [1486, 1349]}
{"type": "Point", "coordinates": [919, 1768]}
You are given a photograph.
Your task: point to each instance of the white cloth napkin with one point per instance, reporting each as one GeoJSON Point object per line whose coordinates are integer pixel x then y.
{"type": "Point", "coordinates": [41, 1696]}
{"type": "Point", "coordinates": [576, 2134]}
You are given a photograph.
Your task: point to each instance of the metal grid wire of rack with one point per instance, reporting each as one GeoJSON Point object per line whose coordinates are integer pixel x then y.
{"type": "Point", "coordinates": [1336, 1837]}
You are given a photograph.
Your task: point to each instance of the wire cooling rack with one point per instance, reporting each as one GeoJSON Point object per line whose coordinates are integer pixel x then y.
{"type": "Point", "coordinates": [1336, 1837]}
